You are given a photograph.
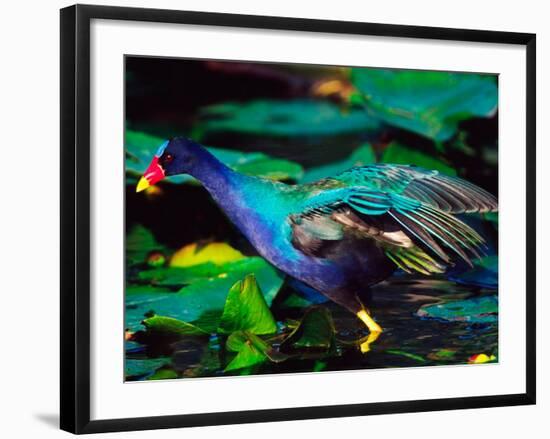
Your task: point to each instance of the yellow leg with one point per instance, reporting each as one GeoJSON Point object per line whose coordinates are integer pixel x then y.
{"type": "Point", "coordinates": [374, 328]}
{"type": "Point", "coordinates": [367, 320]}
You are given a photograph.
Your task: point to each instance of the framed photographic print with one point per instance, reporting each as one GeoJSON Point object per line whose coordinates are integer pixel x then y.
{"type": "Point", "coordinates": [285, 218]}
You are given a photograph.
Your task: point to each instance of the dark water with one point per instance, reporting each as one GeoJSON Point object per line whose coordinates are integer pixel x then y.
{"type": "Point", "coordinates": [408, 340]}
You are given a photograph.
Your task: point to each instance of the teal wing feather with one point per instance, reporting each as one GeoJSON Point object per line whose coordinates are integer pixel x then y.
{"type": "Point", "coordinates": [330, 211]}
{"type": "Point", "coordinates": [446, 193]}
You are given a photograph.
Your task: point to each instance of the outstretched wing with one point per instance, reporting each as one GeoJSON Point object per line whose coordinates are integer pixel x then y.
{"type": "Point", "coordinates": [394, 221]}
{"type": "Point", "coordinates": [447, 194]}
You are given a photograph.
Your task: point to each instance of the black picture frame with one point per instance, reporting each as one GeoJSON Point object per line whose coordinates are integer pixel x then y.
{"type": "Point", "coordinates": [75, 217]}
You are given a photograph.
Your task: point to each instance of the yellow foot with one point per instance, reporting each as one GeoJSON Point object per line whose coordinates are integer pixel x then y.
{"type": "Point", "coordinates": [365, 346]}
{"type": "Point", "coordinates": [374, 328]}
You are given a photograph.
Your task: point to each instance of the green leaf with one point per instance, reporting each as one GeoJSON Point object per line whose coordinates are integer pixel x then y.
{"type": "Point", "coordinates": [203, 293]}
{"type": "Point", "coordinates": [164, 373]}
{"type": "Point", "coordinates": [178, 276]}
{"type": "Point", "coordinates": [271, 168]}
{"type": "Point", "coordinates": [294, 300]}
{"type": "Point", "coordinates": [251, 350]}
{"type": "Point", "coordinates": [426, 102]}
{"type": "Point", "coordinates": [406, 355]}
{"type": "Point", "coordinates": [161, 325]}
{"type": "Point", "coordinates": [143, 367]}
{"type": "Point", "coordinates": [314, 333]}
{"type": "Point", "coordinates": [442, 354]}
{"type": "Point", "coordinates": [474, 310]}
{"type": "Point", "coordinates": [399, 154]}
{"type": "Point", "coordinates": [246, 309]}
{"type": "Point", "coordinates": [140, 289]}
{"type": "Point", "coordinates": [283, 119]}
{"type": "Point", "coordinates": [363, 155]}
{"type": "Point", "coordinates": [319, 366]}
{"type": "Point", "coordinates": [140, 148]}
{"type": "Point", "coordinates": [218, 253]}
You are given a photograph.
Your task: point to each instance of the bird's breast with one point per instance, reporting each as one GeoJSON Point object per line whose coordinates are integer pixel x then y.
{"type": "Point", "coordinates": [261, 214]}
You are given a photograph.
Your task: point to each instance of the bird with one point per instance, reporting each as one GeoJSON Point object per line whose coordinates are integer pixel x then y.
{"type": "Point", "coordinates": [341, 234]}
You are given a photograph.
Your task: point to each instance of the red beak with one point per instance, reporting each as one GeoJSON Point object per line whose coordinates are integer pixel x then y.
{"type": "Point", "coordinates": [152, 175]}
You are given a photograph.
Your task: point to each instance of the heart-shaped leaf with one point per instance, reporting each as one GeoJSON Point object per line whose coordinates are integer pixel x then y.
{"type": "Point", "coordinates": [314, 334]}
{"type": "Point", "coordinates": [246, 310]}
{"type": "Point", "coordinates": [251, 350]}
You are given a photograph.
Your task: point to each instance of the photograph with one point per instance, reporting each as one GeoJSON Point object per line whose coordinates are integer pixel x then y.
{"type": "Point", "coordinates": [296, 218]}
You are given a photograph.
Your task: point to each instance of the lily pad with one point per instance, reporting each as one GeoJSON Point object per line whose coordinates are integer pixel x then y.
{"type": "Point", "coordinates": [283, 119]}
{"type": "Point", "coordinates": [246, 310]}
{"type": "Point", "coordinates": [176, 276]}
{"type": "Point", "coordinates": [474, 310]}
{"type": "Point", "coordinates": [140, 289]}
{"type": "Point", "coordinates": [428, 103]}
{"type": "Point", "coordinates": [164, 373]}
{"type": "Point", "coordinates": [363, 155]}
{"type": "Point", "coordinates": [271, 168]}
{"type": "Point", "coordinates": [170, 326]}
{"type": "Point", "coordinates": [315, 333]}
{"type": "Point", "coordinates": [399, 154]}
{"type": "Point", "coordinates": [140, 148]}
{"type": "Point", "coordinates": [217, 253]}
{"type": "Point", "coordinates": [202, 296]}
{"type": "Point", "coordinates": [142, 367]}
{"type": "Point", "coordinates": [442, 355]}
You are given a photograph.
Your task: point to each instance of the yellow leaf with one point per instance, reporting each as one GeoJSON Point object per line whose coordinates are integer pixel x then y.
{"type": "Point", "coordinates": [217, 253]}
{"type": "Point", "coordinates": [481, 358]}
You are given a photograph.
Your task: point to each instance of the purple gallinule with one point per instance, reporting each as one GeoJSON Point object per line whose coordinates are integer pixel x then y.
{"type": "Point", "coordinates": [341, 234]}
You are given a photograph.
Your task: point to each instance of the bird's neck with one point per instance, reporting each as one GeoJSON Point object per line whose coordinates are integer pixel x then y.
{"type": "Point", "coordinates": [213, 174]}
{"type": "Point", "coordinates": [228, 187]}
{"type": "Point", "coordinates": [256, 206]}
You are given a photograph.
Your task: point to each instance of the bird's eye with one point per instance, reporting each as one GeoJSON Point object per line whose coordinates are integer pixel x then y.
{"type": "Point", "coordinates": [168, 158]}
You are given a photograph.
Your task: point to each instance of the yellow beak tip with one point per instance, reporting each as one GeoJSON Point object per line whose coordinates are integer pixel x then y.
{"type": "Point", "coordinates": [142, 184]}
